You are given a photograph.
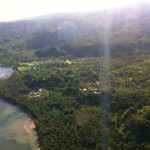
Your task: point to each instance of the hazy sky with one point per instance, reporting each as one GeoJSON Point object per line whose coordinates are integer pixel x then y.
{"type": "Point", "coordinates": [19, 9]}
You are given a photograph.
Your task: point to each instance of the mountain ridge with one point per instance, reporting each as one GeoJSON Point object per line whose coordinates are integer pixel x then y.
{"type": "Point", "coordinates": [125, 30]}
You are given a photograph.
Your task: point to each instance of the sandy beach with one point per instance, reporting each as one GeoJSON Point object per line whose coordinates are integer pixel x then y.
{"type": "Point", "coordinates": [29, 126]}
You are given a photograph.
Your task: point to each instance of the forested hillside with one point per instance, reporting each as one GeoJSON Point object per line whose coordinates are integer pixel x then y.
{"type": "Point", "coordinates": [125, 31]}
{"type": "Point", "coordinates": [84, 77]}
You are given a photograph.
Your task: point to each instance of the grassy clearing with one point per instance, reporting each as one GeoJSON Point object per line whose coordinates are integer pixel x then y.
{"type": "Point", "coordinates": [22, 68]}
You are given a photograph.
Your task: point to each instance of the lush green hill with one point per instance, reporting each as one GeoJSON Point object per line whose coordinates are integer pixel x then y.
{"type": "Point", "coordinates": [124, 31]}
{"type": "Point", "coordinates": [84, 77]}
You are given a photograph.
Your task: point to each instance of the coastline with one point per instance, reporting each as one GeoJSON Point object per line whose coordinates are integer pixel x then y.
{"type": "Point", "coordinates": [29, 126]}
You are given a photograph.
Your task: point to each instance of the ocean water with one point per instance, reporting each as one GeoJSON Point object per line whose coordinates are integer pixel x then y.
{"type": "Point", "coordinates": [13, 124]}
{"type": "Point", "coordinates": [13, 135]}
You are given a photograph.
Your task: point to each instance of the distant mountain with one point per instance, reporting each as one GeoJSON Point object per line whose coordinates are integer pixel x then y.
{"type": "Point", "coordinates": [123, 31]}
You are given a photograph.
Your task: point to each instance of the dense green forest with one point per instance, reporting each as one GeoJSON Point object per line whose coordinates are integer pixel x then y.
{"type": "Point", "coordinates": [84, 78]}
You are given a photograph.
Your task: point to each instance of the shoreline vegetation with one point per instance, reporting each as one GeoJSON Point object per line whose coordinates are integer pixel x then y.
{"type": "Point", "coordinates": [29, 125]}
{"type": "Point", "coordinates": [92, 103]}
{"type": "Point", "coordinates": [83, 79]}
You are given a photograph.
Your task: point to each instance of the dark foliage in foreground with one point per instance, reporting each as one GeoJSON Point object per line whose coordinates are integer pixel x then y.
{"type": "Point", "coordinates": [89, 103]}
